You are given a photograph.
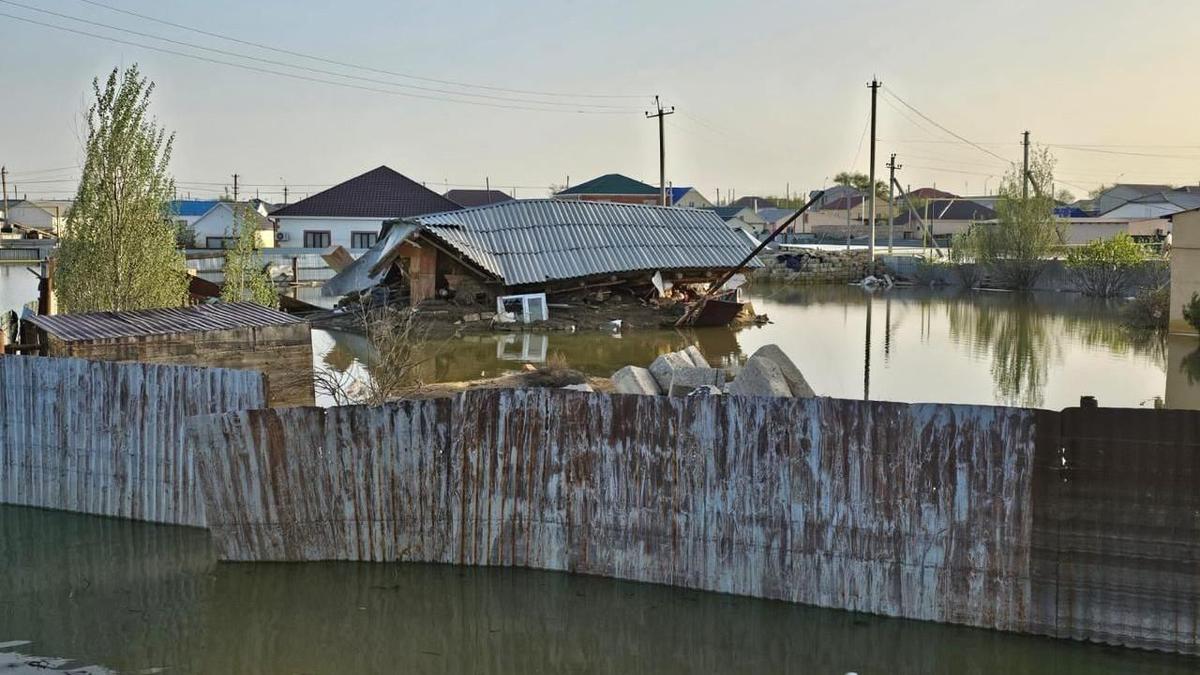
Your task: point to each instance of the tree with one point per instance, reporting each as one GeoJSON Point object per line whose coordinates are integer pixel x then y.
{"type": "Point", "coordinates": [1064, 195]}
{"type": "Point", "coordinates": [861, 182]}
{"type": "Point", "coordinates": [1106, 267]}
{"type": "Point", "coordinates": [246, 277]}
{"type": "Point", "coordinates": [1019, 245]}
{"type": "Point", "coordinates": [118, 251]}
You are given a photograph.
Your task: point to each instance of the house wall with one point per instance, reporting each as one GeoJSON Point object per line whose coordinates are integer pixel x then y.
{"type": "Point", "coordinates": [35, 216]}
{"type": "Point", "coordinates": [1082, 233]}
{"type": "Point", "coordinates": [693, 199]}
{"type": "Point", "coordinates": [1185, 266]}
{"type": "Point", "coordinates": [107, 438]}
{"type": "Point", "coordinates": [292, 229]}
{"type": "Point", "coordinates": [282, 353]}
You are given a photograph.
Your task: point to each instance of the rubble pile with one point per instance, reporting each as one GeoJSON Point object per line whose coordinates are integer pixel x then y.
{"type": "Point", "coordinates": [816, 266]}
{"type": "Point", "coordinates": [768, 372]}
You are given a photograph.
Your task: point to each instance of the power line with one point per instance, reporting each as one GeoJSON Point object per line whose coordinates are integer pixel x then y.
{"type": "Point", "coordinates": [929, 119]}
{"type": "Point", "coordinates": [302, 77]}
{"type": "Point", "coordinates": [346, 64]}
{"type": "Point", "coordinates": [1081, 148]}
{"type": "Point", "coordinates": [320, 71]}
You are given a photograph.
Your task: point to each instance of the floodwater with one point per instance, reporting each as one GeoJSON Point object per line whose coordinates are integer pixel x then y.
{"type": "Point", "coordinates": [916, 345]}
{"type": "Point", "coordinates": [113, 595]}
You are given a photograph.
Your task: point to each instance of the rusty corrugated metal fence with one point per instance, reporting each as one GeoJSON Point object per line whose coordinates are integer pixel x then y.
{"type": "Point", "coordinates": [107, 438]}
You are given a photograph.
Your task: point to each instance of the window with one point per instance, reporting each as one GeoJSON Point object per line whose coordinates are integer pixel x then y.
{"type": "Point", "coordinates": [218, 242]}
{"type": "Point", "coordinates": [521, 308]}
{"type": "Point", "coordinates": [363, 239]}
{"type": "Point", "coordinates": [316, 238]}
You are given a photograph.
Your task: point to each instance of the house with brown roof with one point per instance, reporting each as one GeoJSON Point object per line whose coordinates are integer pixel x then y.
{"type": "Point", "coordinates": [351, 213]}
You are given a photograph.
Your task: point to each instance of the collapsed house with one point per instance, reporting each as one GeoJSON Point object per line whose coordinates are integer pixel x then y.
{"type": "Point", "coordinates": [545, 246]}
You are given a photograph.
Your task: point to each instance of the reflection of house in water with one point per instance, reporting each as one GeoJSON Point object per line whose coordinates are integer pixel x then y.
{"type": "Point", "coordinates": [528, 347]}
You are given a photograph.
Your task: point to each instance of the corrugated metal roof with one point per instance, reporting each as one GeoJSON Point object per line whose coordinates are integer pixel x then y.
{"type": "Point", "coordinates": [362, 273]}
{"type": "Point", "coordinates": [534, 241]}
{"type": "Point", "coordinates": [191, 207]}
{"type": "Point", "coordinates": [164, 321]}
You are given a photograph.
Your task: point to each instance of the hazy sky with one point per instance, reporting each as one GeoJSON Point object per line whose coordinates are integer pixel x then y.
{"type": "Point", "coordinates": [768, 93]}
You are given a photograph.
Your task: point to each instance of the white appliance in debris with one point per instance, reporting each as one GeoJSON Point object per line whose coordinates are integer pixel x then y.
{"type": "Point", "coordinates": [521, 308]}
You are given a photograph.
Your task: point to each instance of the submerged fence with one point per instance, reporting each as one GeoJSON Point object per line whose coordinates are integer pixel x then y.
{"type": "Point", "coordinates": [107, 438]}
{"type": "Point", "coordinates": [1078, 524]}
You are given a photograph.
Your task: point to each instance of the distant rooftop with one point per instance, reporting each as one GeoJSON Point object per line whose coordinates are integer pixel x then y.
{"type": "Point", "coordinates": [379, 193]}
{"type": "Point", "coordinates": [164, 321]}
{"type": "Point", "coordinates": [188, 208]}
{"type": "Point", "coordinates": [611, 184]}
{"type": "Point", "coordinates": [469, 198]}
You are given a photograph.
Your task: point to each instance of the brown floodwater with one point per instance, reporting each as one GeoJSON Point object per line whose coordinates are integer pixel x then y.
{"type": "Point", "coordinates": [1036, 349]}
{"type": "Point", "coordinates": [108, 595]}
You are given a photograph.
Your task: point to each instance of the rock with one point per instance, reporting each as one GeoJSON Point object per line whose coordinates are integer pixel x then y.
{"type": "Point", "coordinates": [795, 379]}
{"type": "Point", "coordinates": [685, 380]}
{"type": "Point", "coordinates": [706, 390]}
{"type": "Point", "coordinates": [471, 318]}
{"type": "Point", "coordinates": [760, 377]}
{"type": "Point", "coordinates": [582, 386]}
{"type": "Point", "coordinates": [664, 365]}
{"type": "Point", "coordinates": [635, 380]}
{"type": "Point", "coordinates": [696, 356]}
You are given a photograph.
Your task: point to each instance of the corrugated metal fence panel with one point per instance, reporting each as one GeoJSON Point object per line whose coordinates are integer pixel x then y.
{"type": "Point", "coordinates": [919, 511]}
{"type": "Point", "coordinates": [1124, 508]}
{"type": "Point", "coordinates": [107, 438]}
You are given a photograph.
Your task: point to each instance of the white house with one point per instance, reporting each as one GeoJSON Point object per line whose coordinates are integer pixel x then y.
{"type": "Point", "coordinates": [218, 227]}
{"type": "Point", "coordinates": [689, 197]}
{"type": "Point", "coordinates": [46, 215]}
{"type": "Point", "coordinates": [351, 214]}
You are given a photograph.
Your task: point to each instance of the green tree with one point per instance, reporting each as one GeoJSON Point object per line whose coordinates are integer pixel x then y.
{"type": "Point", "coordinates": [861, 182]}
{"type": "Point", "coordinates": [1106, 267]}
{"type": "Point", "coordinates": [1019, 245]}
{"type": "Point", "coordinates": [119, 250]}
{"type": "Point", "coordinates": [246, 277]}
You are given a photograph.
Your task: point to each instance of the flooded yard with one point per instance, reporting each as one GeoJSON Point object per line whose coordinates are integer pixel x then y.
{"type": "Point", "coordinates": [134, 597]}
{"type": "Point", "coordinates": [1041, 349]}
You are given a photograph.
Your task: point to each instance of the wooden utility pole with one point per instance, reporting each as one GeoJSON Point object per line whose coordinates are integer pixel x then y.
{"type": "Point", "coordinates": [235, 187]}
{"type": "Point", "coordinates": [874, 85]}
{"type": "Point", "coordinates": [662, 151]}
{"type": "Point", "coordinates": [1025, 171]}
{"type": "Point", "coordinates": [892, 166]}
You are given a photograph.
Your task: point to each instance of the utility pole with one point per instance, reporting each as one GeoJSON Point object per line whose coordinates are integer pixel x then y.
{"type": "Point", "coordinates": [662, 151]}
{"type": "Point", "coordinates": [4, 183]}
{"type": "Point", "coordinates": [874, 85]}
{"type": "Point", "coordinates": [1025, 172]}
{"type": "Point", "coordinates": [285, 201]}
{"type": "Point", "coordinates": [235, 187]}
{"type": "Point", "coordinates": [892, 166]}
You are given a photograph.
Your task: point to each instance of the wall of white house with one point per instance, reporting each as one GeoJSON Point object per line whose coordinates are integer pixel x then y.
{"type": "Point", "coordinates": [341, 230]}
{"type": "Point", "coordinates": [218, 222]}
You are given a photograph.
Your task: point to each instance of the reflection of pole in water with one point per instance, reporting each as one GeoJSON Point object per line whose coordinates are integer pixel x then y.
{"type": "Point", "coordinates": [887, 327]}
{"type": "Point", "coordinates": [867, 356]}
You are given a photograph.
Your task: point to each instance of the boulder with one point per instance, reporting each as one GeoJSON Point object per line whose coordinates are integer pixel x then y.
{"type": "Point", "coordinates": [686, 380]}
{"type": "Point", "coordinates": [582, 386]}
{"type": "Point", "coordinates": [795, 379]}
{"type": "Point", "coordinates": [635, 380]}
{"type": "Point", "coordinates": [697, 358]}
{"type": "Point", "coordinates": [760, 377]}
{"type": "Point", "coordinates": [664, 365]}
{"type": "Point", "coordinates": [706, 390]}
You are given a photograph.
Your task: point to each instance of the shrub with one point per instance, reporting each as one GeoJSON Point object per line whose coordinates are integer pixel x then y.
{"type": "Point", "coordinates": [1106, 267]}
{"type": "Point", "coordinates": [963, 249]}
{"type": "Point", "coordinates": [1191, 312]}
{"type": "Point", "coordinates": [1150, 309]}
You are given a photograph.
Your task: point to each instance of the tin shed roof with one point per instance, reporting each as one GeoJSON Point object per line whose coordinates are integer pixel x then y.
{"type": "Point", "coordinates": [538, 240]}
{"type": "Point", "coordinates": [164, 321]}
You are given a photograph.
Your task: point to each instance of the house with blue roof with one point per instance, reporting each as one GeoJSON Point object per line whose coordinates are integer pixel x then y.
{"type": "Point", "coordinates": [185, 212]}
{"type": "Point", "coordinates": [689, 197]}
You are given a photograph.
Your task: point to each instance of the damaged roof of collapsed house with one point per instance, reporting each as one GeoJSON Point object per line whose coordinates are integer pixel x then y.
{"type": "Point", "coordinates": [538, 240]}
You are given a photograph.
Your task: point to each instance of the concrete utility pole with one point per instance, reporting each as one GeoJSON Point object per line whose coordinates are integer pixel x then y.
{"type": "Point", "coordinates": [874, 85]}
{"type": "Point", "coordinates": [285, 201]}
{"type": "Point", "coordinates": [235, 187]}
{"type": "Point", "coordinates": [892, 166]}
{"type": "Point", "coordinates": [1025, 171]}
{"type": "Point", "coordinates": [662, 151]}
{"type": "Point", "coordinates": [4, 184]}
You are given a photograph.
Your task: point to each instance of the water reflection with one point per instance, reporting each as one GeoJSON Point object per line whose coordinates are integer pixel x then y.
{"type": "Point", "coordinates": [133, 597]}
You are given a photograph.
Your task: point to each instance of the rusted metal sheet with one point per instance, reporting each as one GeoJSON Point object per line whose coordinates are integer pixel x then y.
{"type": "Point", "coordinates": [919, 511]}
{"type": "Point", "coordinates": [107, 438]}
{"type": "Point", "coordinates": [1121, 504]}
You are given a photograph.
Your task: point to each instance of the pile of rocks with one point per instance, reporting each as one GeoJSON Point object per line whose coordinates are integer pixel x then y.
{"type": "Point", "coordinates": [768, 372]}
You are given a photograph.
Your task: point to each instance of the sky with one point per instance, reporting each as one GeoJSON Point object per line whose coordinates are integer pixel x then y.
{"type": "Point", "coordinates": [769, 97]}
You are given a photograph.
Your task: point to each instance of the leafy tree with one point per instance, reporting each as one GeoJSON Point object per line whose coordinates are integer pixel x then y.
{"type": "Point", "coordinates": [1064, 195]}
{"type": "Point", "coordinates": [119, 250]}
{"type": "Point", "coordinates": [1019, 245]}
{"type": "Point", "coordinates": [1098, 190]}
{"type": "Point", "coordinates": [861, 182]}
{"type": "Point", "coordinates": [246, 277]}
{"type": "Point", "coordinates": [1191, 311]}
{"type": "Point", "coordinates": [1106, 267]}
